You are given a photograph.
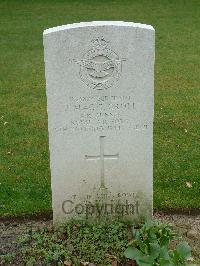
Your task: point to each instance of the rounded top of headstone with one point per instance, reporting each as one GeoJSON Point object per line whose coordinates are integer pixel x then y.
{"type": "Point", "coordinates": [97, 23]}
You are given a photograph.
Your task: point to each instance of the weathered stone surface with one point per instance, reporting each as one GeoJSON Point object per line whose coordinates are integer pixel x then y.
{"type": "Point", "coordinates": [100, 92]}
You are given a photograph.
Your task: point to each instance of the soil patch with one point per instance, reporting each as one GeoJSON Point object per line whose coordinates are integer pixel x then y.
{"type": "Point", "coordinates": [186, 226]}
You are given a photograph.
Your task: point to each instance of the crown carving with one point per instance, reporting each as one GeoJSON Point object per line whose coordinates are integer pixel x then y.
{"type": "Point", "coordinates": [99, 42]}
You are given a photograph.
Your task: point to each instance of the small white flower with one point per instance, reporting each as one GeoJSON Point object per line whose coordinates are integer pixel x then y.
{"type": "Point", "coordinates": [190, 259]}
{"type": "Point", "coordinates": [189, 184]}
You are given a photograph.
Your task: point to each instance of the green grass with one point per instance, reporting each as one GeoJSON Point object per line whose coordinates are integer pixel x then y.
{"type": "Point", "coordinates": [24, 157]}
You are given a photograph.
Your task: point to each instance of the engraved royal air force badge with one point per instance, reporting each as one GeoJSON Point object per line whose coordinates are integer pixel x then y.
{"type": "Point", "coordinates": [100, 66]}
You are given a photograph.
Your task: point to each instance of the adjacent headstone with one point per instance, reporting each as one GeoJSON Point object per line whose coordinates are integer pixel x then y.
{"type": "Point", "coordinates": [100, 93]}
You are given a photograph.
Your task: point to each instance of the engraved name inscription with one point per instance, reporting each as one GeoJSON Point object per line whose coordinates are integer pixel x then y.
{"type": "Point", "coordinates": [96, 114]}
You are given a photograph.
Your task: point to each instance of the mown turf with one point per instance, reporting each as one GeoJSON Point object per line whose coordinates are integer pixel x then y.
{"type": "Point", "coordinates": [24, 157]}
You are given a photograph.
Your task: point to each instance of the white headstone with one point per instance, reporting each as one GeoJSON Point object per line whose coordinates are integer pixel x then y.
{"type": "Point", "coordinates": [100, 94]}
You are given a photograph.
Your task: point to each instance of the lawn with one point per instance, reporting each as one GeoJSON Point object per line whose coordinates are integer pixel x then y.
{"type": "Point", "coordinates": [24, 155]}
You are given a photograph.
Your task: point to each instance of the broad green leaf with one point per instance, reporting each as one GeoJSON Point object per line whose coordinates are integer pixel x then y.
{"type": "Point", "coordinates": [142, 246]}
{"type": "Point", "coordinates": [132, 253]}
{"type": "Point", "coordinates": [145, 261]}
{"type": "Point", "coordinates": [152, 235]}
{"type": "Point", "coordinates": [164, 254]}
{"type": "Point", "coordinates": [175, 256]}
{"type": "Point", "coordinates": [184, 250]}
{"type": "Point", "coordinates": [164, 242]}
{"type": "Point", "coordinates": [163, 262]}
{"type": "Point", "coordinates": [154, 250]}
{"type": "Point", "coordinates": [133, 231]}
{"type": "Point", "coordinates": [149, 223]}
{"type": "Point", "coordinates": [137, 235]}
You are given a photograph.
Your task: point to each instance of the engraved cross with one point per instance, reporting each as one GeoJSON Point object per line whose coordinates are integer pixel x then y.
{"type": "Point", "coordinates": [102, 157]}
